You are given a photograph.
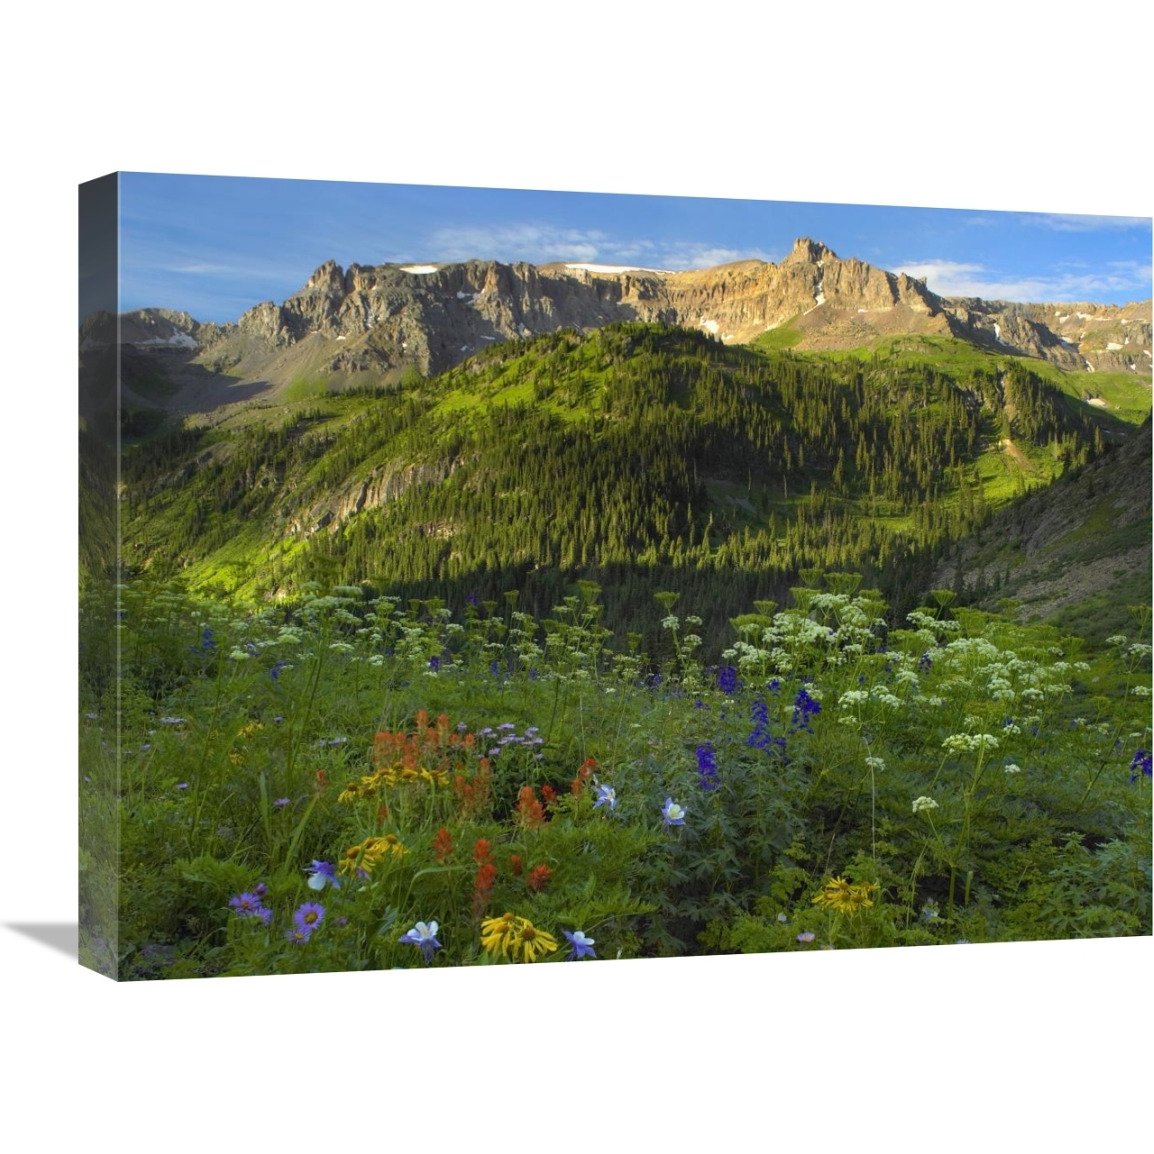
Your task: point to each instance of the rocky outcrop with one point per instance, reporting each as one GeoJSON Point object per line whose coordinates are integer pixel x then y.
{"type": "Point", "coordinates": [384, 484]}
{"type": "Point", "coordinates": [378, 319]}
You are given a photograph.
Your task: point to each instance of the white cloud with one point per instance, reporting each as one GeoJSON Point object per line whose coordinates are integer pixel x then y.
{"type": "Point", "coordinates": [957, 279]}
{"type": "Point", "coordinates": [690, 256]}
{"type": "Point", "coordinates": [538, 244]}
{"type": "Point", "coordinates": [541, 243]}
{"type": "Point", "coordinates": [1075, 222]}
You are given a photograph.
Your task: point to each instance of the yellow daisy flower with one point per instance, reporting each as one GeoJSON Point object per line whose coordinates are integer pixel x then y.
{"type": "Point", "coordinates": [515, 938]}
{"type": "Point", "coordinates": [838, 894]}
{"type": "Point", "coordinates": [497, 934]}
{"type": "Point", "coordinates": [364, 856]}
{"type": "Point", "coordinates": [532, 942]}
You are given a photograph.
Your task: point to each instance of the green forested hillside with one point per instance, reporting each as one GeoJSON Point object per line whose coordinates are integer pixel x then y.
{"type": "Point", "coordinates": [640, 456]}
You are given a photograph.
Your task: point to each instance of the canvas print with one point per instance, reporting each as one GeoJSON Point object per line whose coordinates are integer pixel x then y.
{"type": "Point", "coordinates": [487, 577]}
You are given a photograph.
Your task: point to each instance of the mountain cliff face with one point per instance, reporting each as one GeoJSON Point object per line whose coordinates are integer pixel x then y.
{"type": "Point", "coordinates": [383, 319]}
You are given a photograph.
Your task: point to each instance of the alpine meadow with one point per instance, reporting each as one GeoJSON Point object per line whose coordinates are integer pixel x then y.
{"type": "Point", "coordinates": [473, 611]}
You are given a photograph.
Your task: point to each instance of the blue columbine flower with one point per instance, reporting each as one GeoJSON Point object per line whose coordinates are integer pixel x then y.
{"type": "Point", "coordinates": [707, 766]}
{"type": "Point", "coordinates": [606, 795]}
{"type": "Point", "coordinates": [322, 873]}
{"type": "Point", "coordinates": [672, 813]}
{"type": "Point", "coordinates": [582, 946]}
{"type": "Point", "coordinates": [424, 935]}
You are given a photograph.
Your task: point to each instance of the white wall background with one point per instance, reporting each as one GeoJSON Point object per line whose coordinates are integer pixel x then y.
{"type": "Point", "coordinates": [982, 106]}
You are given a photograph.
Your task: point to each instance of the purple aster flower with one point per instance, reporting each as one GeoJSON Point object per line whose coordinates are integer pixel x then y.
{"type": "Point", "coordinates": [250, 906]}
{"type": "Point", "coordinates": [805, 936]}
{"type": "Point", "coordinates": [182, 785]}
{"type": "Point", "coordinates": [308, 916]}
{"type": "Point", "coordinates": [322, 873]}
{"type": "Point", "coordinates": [296, 934]}
{"type": "Point", "coordinates": [424, 935]}
{"type": "Point", "coordinates": [606, 795]}
{"type": "Point", "coordinates": [281, 802]}
{"type": "Point", "coordinates": [582, 946]}
{"type": "Point", "coordinates": [672, 813]}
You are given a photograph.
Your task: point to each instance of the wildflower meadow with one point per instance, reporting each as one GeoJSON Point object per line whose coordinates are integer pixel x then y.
{"type": "Point", "coordinates": [353, 782]}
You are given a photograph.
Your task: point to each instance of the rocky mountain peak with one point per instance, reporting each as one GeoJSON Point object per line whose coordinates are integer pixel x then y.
{"type": "Point", "coordinates": [330, 277]}
{"type": "Point", "coordinates": [806, 251]}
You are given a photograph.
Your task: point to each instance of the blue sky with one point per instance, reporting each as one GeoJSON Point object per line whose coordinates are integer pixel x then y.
{"type": "Point", "coordinates": [215, 246]}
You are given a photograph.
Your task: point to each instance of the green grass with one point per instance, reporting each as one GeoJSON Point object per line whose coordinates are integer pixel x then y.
{"type": "Point", "coordinates": [275, 741]}
{"type": "Point", "coordinates": [785, 336]}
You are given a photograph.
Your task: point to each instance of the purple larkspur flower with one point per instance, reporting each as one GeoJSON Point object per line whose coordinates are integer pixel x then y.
{"type": "Point", "coordinates": [804, 707]}
{"type": "Point", "coordinates": [727, 680]}
{"type": "Point", "coordinates": [707, 766]}
{"type": "Point", "coordinates": [1140, 764]}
